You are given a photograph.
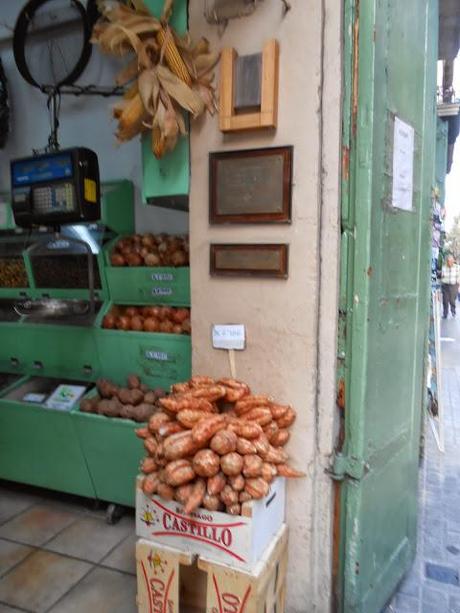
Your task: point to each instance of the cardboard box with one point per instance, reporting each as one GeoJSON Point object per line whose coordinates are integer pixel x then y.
{"type": "Point", "coordinates": [238, 541]}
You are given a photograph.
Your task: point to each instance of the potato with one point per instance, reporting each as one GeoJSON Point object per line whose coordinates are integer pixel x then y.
{"type": "Point", "coordinates": [106, 388]}
{"type": "Point", "coordinates": [143, 412]}
{"type": "Point", "coordinates": [109, 408]}
{"type": "Point", "coordinates": [127, 411]}
{"type": "Point", "coordinates": [150, 397]}
{"type": "Point", "coordinates": [206, 463]}
{"type": "Point", "coordinates": [87, 406]}
{"type": "Point", "coordinates": [231, 463]}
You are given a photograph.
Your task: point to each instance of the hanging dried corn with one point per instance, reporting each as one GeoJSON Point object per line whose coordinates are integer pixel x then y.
{"type": "Point", "coordinates": [168, 76]}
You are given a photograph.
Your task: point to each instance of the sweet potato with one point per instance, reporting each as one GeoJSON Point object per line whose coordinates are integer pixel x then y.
{"type": "Point", "coordinates": [244, 497]}
{"type": "Point", "coordinates": [179, 472]}
{"type": "Point", "coordinates": [150, 445]}
{"type": "Point", "coordinates": [174, 404]}
{"type": "Point", "coordinates": [245, 429]}
{"type": "Point", "coordinates": [235, 390]}
{"type": "Point", "coordinates": [216, 484]}
{"type": "Point", "coordinates": [261, 444]}
{"type": "Point", "coordinates": [269, 472]}
{"type": "Point", "coordinates": [244, 446]}
{"type": "Point", "coordinates": [275, 455]}
{"type": "Point", "coordinates": [257, 488]}
{"type": "Point", "coordinates": [157, 420]}
{"type": "Point", "coordinates": [280, 438]}
{"type": "Point", "coordinates": [165, 491]}
{"type": "Point", "coordinates": [224, 442]}
{"type": "Point", "coordinates": [251, 402]}
{"type": "Point", "coordinates": [260, 415]}
{"type": "Point", "coordinates": [150, 484]}
{"type": "Point", "coordinates": [287, 419]}
{"type": "Point", "coordinates": [171, 427]}
{"type": "Point", "coordinates": [180, 388]}
{"type": "Point", "coordinates": [179, 445]}
{"type": "Point", "coordinates": [236, 482]}
{"type": "Point", "coordinates": [231, 463]}
{"type": "Point", "coordinates": [189, 417]}
{"type": "Point", "coordinates": [196, 497]}
{"type": "Point", "coordinates": [183, 493]}
{"type": "Point", "coordinates": [201, 381]}
{"type": "Point", "coordinates": [206, 463]}
{"type": "Point", "coordinates": [211, 393]}
{"type": "Point", "coordinates": [234, 509]}
{"type": "Point", "coordinates": [284, 470]}
{"type": "Point", "coordinates": [271, 429]}
{"type": "Point", "coordinates": [212, 503]}
{"type": "Point", "coordinates": [142, 432]}
{"type": "Point", "coordinates": [229, 496]}
{"type": "Point", "coordinates": [278, 410]}
{"type": "Point", "coordinates": [252, 465]}
{"type": "Point", "coordinates": [206, 428]}
{"type": "Point", "coordinates": [148, 466]}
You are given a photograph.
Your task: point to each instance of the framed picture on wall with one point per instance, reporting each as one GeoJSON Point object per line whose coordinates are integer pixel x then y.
{"type": "Point", "coordinates": [249, 260]}
{"type": "Point", "coordinates": [250, 186]}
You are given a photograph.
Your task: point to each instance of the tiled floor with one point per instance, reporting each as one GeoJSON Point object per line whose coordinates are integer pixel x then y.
{"type": "Point", "coordinates": [439, 502]}
{"type": "Point", "coordinates": [58, 555]}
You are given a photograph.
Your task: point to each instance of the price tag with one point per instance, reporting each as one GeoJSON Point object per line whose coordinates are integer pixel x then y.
{"type": "Point", "coordinates": [229, 336]}
{"type": "Point", "coordinates": [162, 276]}
{"type": "Point", "coordinates": [162, 291]}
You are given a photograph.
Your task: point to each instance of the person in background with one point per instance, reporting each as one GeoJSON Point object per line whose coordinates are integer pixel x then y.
{"type": "Point", "coordinates": [450, 281]}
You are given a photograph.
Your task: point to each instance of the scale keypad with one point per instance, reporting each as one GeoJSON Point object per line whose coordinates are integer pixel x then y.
{"type": "Point", "coordinates": [51, 199]}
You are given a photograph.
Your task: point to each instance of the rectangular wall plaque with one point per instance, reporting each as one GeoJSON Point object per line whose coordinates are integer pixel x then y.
{"type": "Point", "coordinates": [251, 186]}
{"type": "Point", "coordinates": [265, 260]}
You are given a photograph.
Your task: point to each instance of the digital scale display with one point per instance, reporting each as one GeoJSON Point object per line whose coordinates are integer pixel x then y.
{"type": "Point", "coordinates": [32, 171]}
{"type": "Point", "coordinates": [56, 188]}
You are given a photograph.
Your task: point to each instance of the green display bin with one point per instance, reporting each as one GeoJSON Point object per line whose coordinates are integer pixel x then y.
{"type": "Point", "coordinates": [158, 359]}
{"type": "Point", "coordinates": [40, 446]}
{"type": "Point", "coordinates": [113, 454]}
{"type": "Point", "coordinates": [144, 285]}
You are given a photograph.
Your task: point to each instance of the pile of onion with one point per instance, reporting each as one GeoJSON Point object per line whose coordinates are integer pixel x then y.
{"type": "Point", "coordinates": [168, 320]}
{"type": "Point", "coordinates": [151, 250]}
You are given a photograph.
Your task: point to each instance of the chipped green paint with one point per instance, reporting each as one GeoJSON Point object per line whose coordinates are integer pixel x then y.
{"type": "Point", "coordinates": [389, 70]}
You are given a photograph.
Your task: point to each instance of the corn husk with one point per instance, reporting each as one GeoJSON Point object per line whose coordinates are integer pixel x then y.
{"type": "Point", "coordinates": [170, 74]}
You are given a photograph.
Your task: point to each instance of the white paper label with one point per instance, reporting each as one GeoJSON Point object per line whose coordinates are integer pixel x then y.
{"type": "Point", "coordinates": [161, 291]}
{"type": "Point", "coordinates": [162, 276]}
{"type": "Point", "coordinates": [403, 165]}
{"type": "Point", "coordinates": [228, 336]}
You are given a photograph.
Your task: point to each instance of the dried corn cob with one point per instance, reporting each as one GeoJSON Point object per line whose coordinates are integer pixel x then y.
{"type": "Point", "coordinates": [172, 56]}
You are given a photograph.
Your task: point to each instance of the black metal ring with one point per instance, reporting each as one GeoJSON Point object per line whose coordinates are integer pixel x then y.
{"type": "Point", "coordinates": [20, 35]}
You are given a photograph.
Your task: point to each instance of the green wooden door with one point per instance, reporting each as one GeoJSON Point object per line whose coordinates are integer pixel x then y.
{"type": "Point", "coordinates": [390, 72]}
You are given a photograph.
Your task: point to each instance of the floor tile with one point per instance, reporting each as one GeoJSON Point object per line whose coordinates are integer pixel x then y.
{"type": "Point", "coordinates": [37, 525]}
{"type": "Point", "coordinates": [123, 557]}
{"type": "Point", "coordinates": [41, 580]}
{"type": "Point", "coordinates": [12, 503]}
{"type": "Point", "coordinates": [6, 609]}
{"type": "Point", "coordinates": [102, 591]}
{"type": "Point", "coordinates": [90, 539]}
{"type": "Point", "coordinates": [11, 554]}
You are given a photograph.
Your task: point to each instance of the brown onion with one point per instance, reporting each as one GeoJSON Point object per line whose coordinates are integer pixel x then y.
{"type": "Point", "coordinates": [123, 323]}
{"type": "Point", "coordinates": [134, 259]}
{"type": "Point", "coordinates": [151, 324]}
{"type": "Point", "coordinates": [137, 323]}
{"type": "Point", "coordinates": [116, 259]}
{"type": "Point", "coordinates": [152, 259]}
{"type": "Point", "coordinates": [180, 315]}
{"type": "Point", "coordinates": [131, 311]}
{"type": "Point", "coordinates": [108, 322]}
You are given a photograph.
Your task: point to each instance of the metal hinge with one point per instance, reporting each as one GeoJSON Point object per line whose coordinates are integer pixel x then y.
{"type": "Point", "coordinates": [347, 467]}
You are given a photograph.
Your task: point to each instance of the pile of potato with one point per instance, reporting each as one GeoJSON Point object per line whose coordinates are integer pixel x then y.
{"type": "Point", "coordinates": [136, 401]}
{"type": "Point", "coordinates": [151, 250]}
{"type": "Point", "coordinates": [169, 320]}
{"type": "Point", "coordinates": [215, 445]}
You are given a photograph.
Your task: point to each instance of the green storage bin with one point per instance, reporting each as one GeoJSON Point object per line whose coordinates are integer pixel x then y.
{"type": "Point", "coordinates": [40, 446]}
{"type": "Point", "coordinates": [158, 359]}
{"type": "Point", "coordinates": [113, 454]}
{"type": "Point", "coordinates": [145, 285]}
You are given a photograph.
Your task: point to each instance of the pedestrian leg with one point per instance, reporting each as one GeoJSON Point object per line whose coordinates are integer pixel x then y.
{"type": "Point", "coordinates": [452, 298]}
{"type": "Point", "coordinates": [445, 300]}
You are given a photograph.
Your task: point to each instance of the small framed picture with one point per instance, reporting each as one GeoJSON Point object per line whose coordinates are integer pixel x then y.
{"type": "Point", "coordinates": [253, 260]}
{"type": "Point", "coordinates": [250, 186]}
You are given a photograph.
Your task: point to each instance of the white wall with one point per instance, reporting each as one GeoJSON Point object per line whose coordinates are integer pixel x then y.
{"type": "Point", "coordinates": [85, 121]}
{"type": "Point", "coordinates": [291, 324]}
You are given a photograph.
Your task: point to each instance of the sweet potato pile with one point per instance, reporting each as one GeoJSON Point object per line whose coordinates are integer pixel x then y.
{"type": "Point", "coordinates": [151, 250]}
{"type": "Point", "coordinates": [136, 401]}
{"type": "Point", "coordinates": [169, 320]}
{"type": "Point", "coordinates": [215, 445]}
